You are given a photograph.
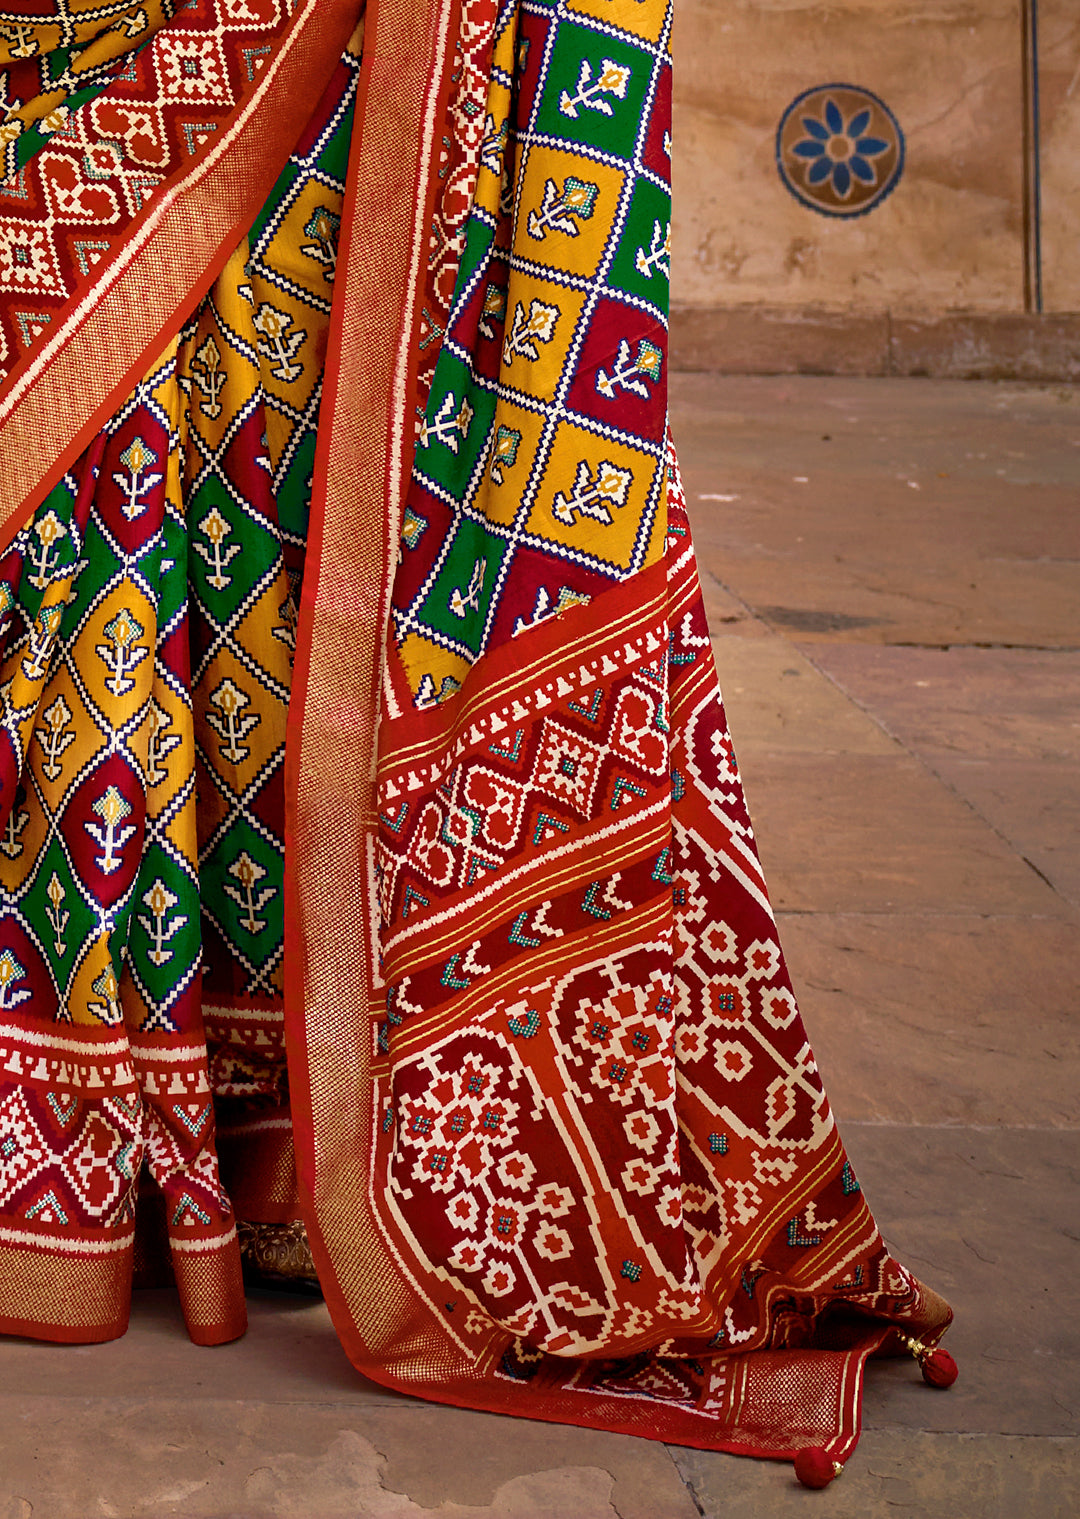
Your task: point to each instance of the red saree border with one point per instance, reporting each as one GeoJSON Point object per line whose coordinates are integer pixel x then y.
{"type": "Point", "coordinates": [361, 473]}
{"type": "Point", "coordinates": [554, 647]}
{"type": "Point", "coordinates": [59, 396]}
{"type": "Point", "coordinates": [68, 1291]}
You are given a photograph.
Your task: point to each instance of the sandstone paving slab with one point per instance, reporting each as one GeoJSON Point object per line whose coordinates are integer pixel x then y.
{"type": "Point", "coordinates": [727, 614]}
{"type": "Point", "coordinates": [990, 1218]}
{"type": "Point", "coordinates": [1034, 805]}
{"type": "Point", "coordinates": [887, 512]}
{"type": "Point", "coordinates": [777, 700]}
{"type": "Point", "coordinates": [216, 1459]}
{"type": "Point", "coordinates": [833, 597]}
{"type": "Point", "coordinates": [899, 1473]}
{"type": "Point", "coordinates": [887, 522]}
{"type": "Point", "coordinates": [872, 833]}
{"type": "Point", "coordinates": [1017, 704]}
{"type": "Point", "coordinates": [1000, 727]}
{"type": "Point", "coordinates": [290, 1354]}
{"type": "Point", "coordinates": [490, 1451]}
{"type": "Point", "coordinates": [942, 1019]}
{"type": "Point", "coordinates": [994, 436]}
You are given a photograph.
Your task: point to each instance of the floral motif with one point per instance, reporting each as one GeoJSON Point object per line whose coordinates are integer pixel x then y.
{"type": "Point", "coordinates": [839, 150]}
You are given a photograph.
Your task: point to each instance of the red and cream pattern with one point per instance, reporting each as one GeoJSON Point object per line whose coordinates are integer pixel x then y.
{"type": "Point", "coordinates": [104, 1076]}
{"type": "Point", "coordinates": [64, 211]}
{"type": "Point", "coordinates": [81, 1110]}
{"type": "Point", "coordinates": [601, 1131]}
{"type": "Point", "coordinates": [562, 1148]}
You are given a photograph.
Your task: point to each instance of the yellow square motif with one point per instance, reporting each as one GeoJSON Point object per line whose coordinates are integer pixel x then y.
{"type": "Point", "coordinates": [644, 21]}
{"type": "Point", "coordinates": [93, 993]}
{"type": "Point", "coordinates": [65, 737]}
{"type": "Point", "coordinates": [567, 210]}
{"type": "Point", "coordinates": [433, 673]}
{"type": "Point", "coordinates": [115, 652]}
{"type": "Point", "coordinates": [496, 138]}
{"type": "Point", "coordinates": [24, 837]}
{"type": "Point", "coordinates": [515, 436]}
{"type": "Point", "coordinates": [598, 497]}
{"type": "Point", "coordinates": [541, 319]}
{"type": "Point", "coordinates": [164, 745]}
{"type": "Point", "coordinates": [242, 726]}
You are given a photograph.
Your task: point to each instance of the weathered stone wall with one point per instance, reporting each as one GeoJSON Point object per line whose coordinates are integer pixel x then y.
{"type": "Point", "coordinates": [1059, 79]}
{"type": "Point", "coordinates": [924, 253]}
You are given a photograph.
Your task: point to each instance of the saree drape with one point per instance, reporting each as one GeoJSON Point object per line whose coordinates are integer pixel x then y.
{"type": "Point", "coordinates": [371, 840]}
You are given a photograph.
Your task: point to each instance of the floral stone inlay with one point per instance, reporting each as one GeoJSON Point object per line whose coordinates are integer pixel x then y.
{"type": "Point", "coordinates": [839, 149]}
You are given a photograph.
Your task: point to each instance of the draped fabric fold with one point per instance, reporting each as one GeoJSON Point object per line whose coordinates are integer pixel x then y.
{"type": "Point", "coordinates": [369, 815]}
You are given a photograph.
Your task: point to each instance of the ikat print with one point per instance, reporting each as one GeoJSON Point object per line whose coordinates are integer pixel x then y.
{"type": "Point", "coordinates": [591, 1033]}
{"type": "Point", "coordinates": [147, 618]}
{"type": "Point", "coordinates": [539, 475]}
{"type": "Point", "coordinates": [98, 107]}
{"type": "Point", "coordinates": [458, 168]}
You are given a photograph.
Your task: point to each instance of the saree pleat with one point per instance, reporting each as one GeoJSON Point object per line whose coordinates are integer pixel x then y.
{"type": "Point", "coordinates": [151, 611]}
{"type": "Point", "coordinates": [371, 816]}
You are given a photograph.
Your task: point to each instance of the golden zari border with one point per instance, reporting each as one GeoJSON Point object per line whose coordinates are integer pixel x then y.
{"type": "Point", "coordinates": [362, 466]}
{"type": "Point", "coordinates": [258, 1167]}
{"type": "Point", "coordinates": [70, 1291]}
{"type": "Point", "coordinates": [211, 1290]}
{"type": "Point", "coordinates": [57, 399]}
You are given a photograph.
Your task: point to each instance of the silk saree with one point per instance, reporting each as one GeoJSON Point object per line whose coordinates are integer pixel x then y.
{"type": "Point", "coordinates": [373, 852]}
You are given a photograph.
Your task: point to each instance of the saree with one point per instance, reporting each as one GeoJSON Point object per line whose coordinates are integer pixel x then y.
{"type": "Point", "coordinates": [375, 865]}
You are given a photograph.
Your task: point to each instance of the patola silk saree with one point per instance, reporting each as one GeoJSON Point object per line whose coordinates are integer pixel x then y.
{"type": "Point", "coordinates": [372, 847]}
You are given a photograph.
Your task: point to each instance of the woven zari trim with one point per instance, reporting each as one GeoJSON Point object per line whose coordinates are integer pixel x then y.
{"type": "Point", "coordinates": [59, 1289]}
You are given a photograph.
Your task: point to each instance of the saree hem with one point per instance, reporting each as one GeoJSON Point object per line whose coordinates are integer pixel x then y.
{"type": "Point", "coordinates": [65, 1291]}
{"type": "Point", "coordinates": [58, 1334]}
{"type": "Point", "coordinates": [836, 1376]}
{"type": "Point", "coordinates": [208, 1280]}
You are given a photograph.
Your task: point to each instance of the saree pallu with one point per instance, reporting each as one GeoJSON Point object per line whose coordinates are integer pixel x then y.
{"type": "Point", "coordinates": [369, 811]}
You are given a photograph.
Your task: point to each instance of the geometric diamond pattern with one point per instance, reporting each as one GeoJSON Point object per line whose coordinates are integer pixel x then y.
{"type": "Point", "coordinates": [24, 1152]}
{"type": "Point", "coordinates": [514, 511]}
{"type": "Point", "coordinates": [600, 1131]}
{"type": "Point", "coordinates": [147, 625]}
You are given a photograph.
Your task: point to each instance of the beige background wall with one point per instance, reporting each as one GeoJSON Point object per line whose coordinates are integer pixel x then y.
{"type": "Point", "coordinates": [1059, 72]}
{"type": "Point", "coordinates": [949, 239]}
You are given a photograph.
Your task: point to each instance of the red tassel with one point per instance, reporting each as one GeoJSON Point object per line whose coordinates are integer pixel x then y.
{"type": "Point", "coordinates": [814, 1467]}
{"type": "Point", "coordinates": [937, 1365]}
{"type": "Point", "coordinates": [939, 1369]}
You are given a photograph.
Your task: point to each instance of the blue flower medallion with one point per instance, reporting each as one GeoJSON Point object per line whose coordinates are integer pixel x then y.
{"type": "Point", "coordinates": [839, 149]}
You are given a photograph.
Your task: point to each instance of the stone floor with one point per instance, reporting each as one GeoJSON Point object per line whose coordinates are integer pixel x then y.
{"type": "Point", "coordinates": [892, 573]}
